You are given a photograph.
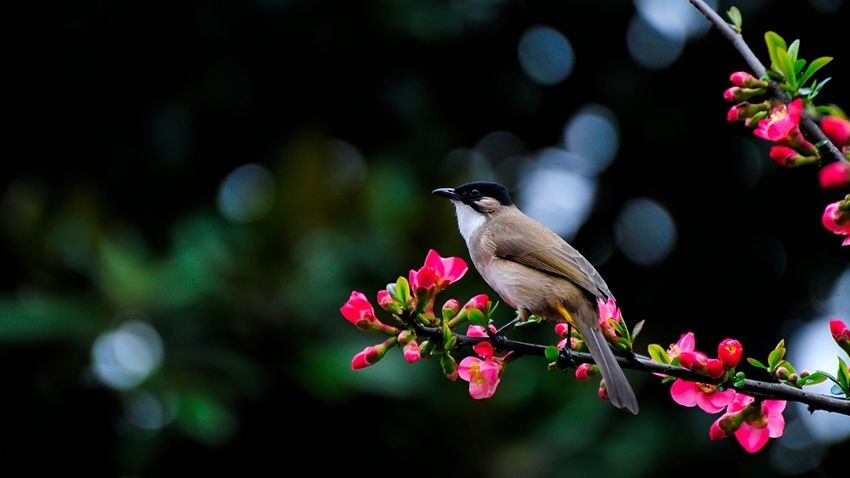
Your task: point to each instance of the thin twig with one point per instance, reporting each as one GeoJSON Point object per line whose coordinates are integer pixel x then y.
{"type": "Point", "coordinates": [807, 123]}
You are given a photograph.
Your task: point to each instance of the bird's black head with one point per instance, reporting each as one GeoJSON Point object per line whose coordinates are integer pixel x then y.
{"type": "Point", "coordinates": [476, 193]}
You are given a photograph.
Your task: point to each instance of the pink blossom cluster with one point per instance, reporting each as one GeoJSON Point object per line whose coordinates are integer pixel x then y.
{"type": "Point", "coordinates": [751, 421]}
{"type": "Point", "coordinates": [778, 122]}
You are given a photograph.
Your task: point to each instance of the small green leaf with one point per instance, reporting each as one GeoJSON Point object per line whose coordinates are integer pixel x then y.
{"type": "Point", "coordinates": [813, 68]}
{"type": "Point", "coordinates": [447, 332]}
{"type": "Point", "coordinates": [785, 66]}
{"type": "Point", "coordinates": [658, 353]}
{"type": "Point", "coordinates": [843, 374]}
{"type": "Point", "coordinates": [402, 290]}
{"type": "Point", "coordinates": [735, 15]}
{"type": "Point", "coordinates": [756, 363]}
{"type": "Point", "coordinates": [774, 358]}
{"type": "Point", "coordinates": [638, 327]}
{"type": "Point", "coordinates": [798, 67]}
{"type": "Point", "coordinates": [620, 327]}
{"type": "Point", "coordinates": [531, 320]}
{"type": "Point", "coordinates": [790, 368]}
{"type": "Point", "coordinates": [812, 379]}
{"type": "Point", "coordinates": [668, 379]}
{"type": "Point", "coordinates": [774, 42]}
{"type": "Point", "coordinates": [476, 317]}
{"type": "Point", "coordinates": [451, 343]}
{"type": "Point", "coordinates": [551, 352]}
{"type": "Point", "coordinates": [793, 49]}
{"type": "Point", "coordinates": [816, 87]}
{"type": "Point", "coordinates": [738, 383]}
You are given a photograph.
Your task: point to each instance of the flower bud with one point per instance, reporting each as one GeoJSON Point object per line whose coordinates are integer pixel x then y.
{"type": "Point", "coordinates": [602, 392]}
{"type": "Point", "coordinates": [789, 157]}
{"type": "Point", "coordinates": [837, 129]}
{"type": "Point", "coordinates": [738, 94]}
{"type": "Point", "coordinates": [781, 373]}
{"type": "Point", "coordinates": [561, 329]}
{"type": "Point", "coordinates": [412, 352]}
{"type": "Point", "coordinates": [742, 78]}
{"type": "Point", "coordinates": [834, 175]}
{"type": "Point", "coordinates": [479, 302]}
{"type": "Point", "coordinates": [729, 352]}
{"type": "Point", "coordinates": [405, 336]}
{"type": "Point", "coordinates": [840, 333]}
{"type": "Point", "coordinates": [745, 110]}
{"type": "Point", "coordinates": [449, 366]}
{"type": "Point", "coordinates": [387, 302]}
{"type": "Point", "coordinates": [714, 368]}
{"type": "Point", "coordinates": [372, 354]}
{"type": "Point", "coordinates": [450, 309]}
{"type": "Point", "coordinates": [586, 371]}
{"type": "Point", "coordinates": [836, 220]}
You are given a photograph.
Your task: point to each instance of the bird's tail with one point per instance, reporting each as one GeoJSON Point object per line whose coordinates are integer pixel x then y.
{"type": "Point", "coordinates": [619, 390]}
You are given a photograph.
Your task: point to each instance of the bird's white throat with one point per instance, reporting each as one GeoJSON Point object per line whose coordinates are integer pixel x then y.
{"type": "Point", "coordinates": [468, 220]}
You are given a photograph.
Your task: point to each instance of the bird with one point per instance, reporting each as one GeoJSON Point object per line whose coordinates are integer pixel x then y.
{"type": "Point", "coordinates": [536, 272]}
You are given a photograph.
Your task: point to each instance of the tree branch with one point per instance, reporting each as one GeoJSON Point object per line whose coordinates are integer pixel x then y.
{"type": "Point", "coordinates": [756, 388]}
{"type": "Point", "coordinates": [807, 123]}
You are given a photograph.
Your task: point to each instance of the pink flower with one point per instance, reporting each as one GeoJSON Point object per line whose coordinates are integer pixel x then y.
{"type": "Point", "coordinates": [835, 175]}
{"type": "Point", "coordinates": [608, 312]}
{"type": "Point", "coordinates": [359, 312]}
{"type": "Point", "coordinates": [479, 302]}
{"type": "Point", "coordinates": [586, 371]}
{"type": "Point", "coordinates": [686, 343]}
{"type": "Point", "coordinates": [760, 423]}
{"type": "Point", "coordinates": [412, 353]}
{"type": "Point", "coordinates": [483, 376]}
{"type": "Point", "coordinates": [836, 129]}
{"type": "Point", "coordinates": [700, 363]}
{"type": "Point", "coordinates": [840, 333]}
{"type": "Point", "coordinates": [729, 352]}
{"type": "Point", "coordinates": [422, 281]}
{"type": "Point", "coordinates": [476, 331]}
{"type": "Point", "coordinates": [447, 269]}
{"type": "Point", "coordinates": [704, 395]}
{"type": "Point", "coordinates": [483, 348]}
{"type": "Point", "coordinates": [837, 221]}
{"type": "Point", "coordinates": [782, 124]}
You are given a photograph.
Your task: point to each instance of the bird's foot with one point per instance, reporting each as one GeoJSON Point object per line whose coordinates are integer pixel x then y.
{"type": "Point", "coordinates": [507, 326]}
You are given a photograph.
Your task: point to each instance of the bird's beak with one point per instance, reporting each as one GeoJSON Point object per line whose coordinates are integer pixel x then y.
{"type": "Point", "coordinates": [447, 193]}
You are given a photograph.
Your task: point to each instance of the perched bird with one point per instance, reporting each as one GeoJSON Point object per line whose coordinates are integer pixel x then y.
{"type": "Point", "coordinates": [537, 272]}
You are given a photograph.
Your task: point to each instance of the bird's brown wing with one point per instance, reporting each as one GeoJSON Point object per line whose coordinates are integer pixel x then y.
{"type": "Point", "coordinates": [548, 253]}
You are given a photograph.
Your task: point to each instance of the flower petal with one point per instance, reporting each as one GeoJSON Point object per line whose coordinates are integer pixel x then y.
{"type": "Point", "coordinates": [684, 393]}
{"type": "Point", "coordinates": [752, 438]}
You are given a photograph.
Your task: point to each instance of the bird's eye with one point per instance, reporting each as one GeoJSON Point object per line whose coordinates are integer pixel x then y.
{"type": "Point", "coordinates": [474, 194]}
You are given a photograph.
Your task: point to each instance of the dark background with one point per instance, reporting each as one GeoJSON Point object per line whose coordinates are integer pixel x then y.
{"type": "Point", "coordinates": [134, 114]}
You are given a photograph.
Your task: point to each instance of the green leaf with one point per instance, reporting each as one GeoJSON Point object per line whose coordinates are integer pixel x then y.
{"type": "Point", "coordinates": [785, 66]}
{"type": "Point", "coordinates": [793, 49]}
{"type": "Point", "coordinates": [774, 358]}
{"type": "Point", "coordinates": [735, 15]}
{"type": "Point", "coordinates": [774, 43]}
{"type": "Point", "coordinates": [756, 363]}
{"type": "Point", "coordinates": [451, 343]}
{"type": "Point", "coordinates": [843, 375]}
{"type": "Point", "coordinates": [812, 379]}
{"type": "Point", "coordinates": [402, 291]}
{"type": "Point", "coordinates": [636, 330]}
{"type": "Point", "coordinates": [658, 353]}
{"type": "Point", "coordinates": [798, 67]}
{"type": "Point", "coordinates": [551, 352]}
{"type": "Point", "coordinates": [816, 87]}
{"type": "Point", "coordinates": [476, 317]}
{"type": "Point", "coordinates": [668, 379]}
{"type": "Point", "coordinates": [531, 320]}
{"type": "Point", "coordinates": [813, 68]}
